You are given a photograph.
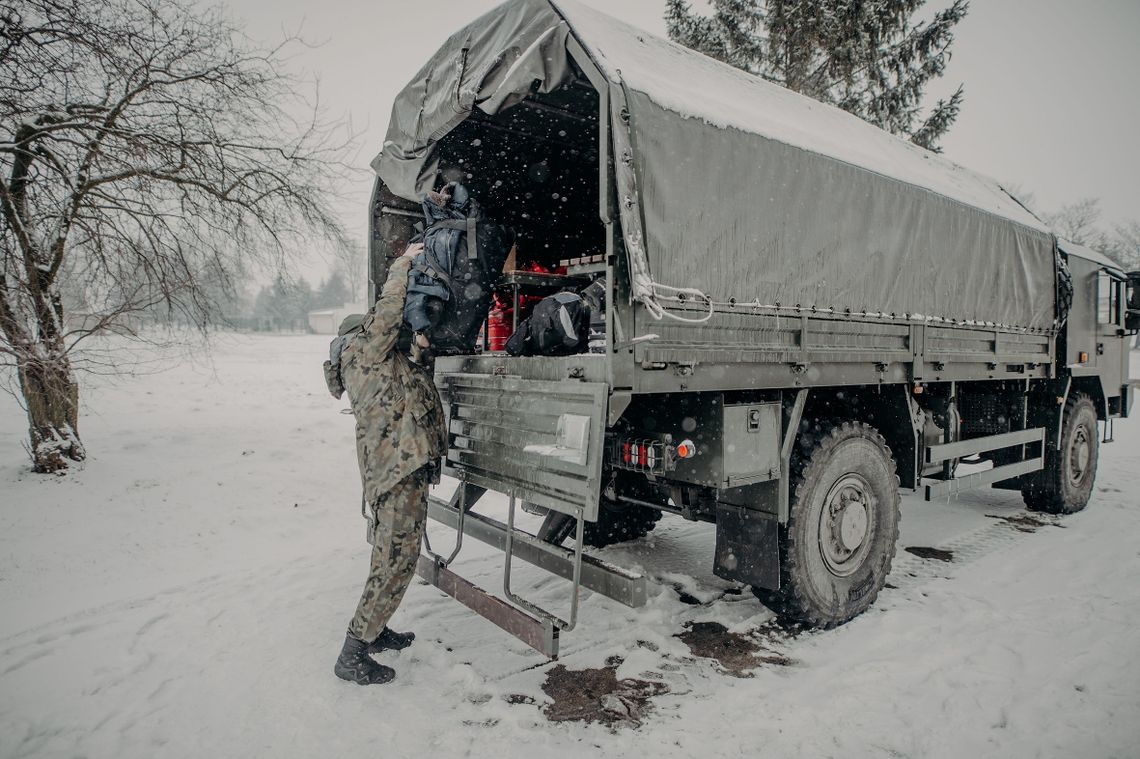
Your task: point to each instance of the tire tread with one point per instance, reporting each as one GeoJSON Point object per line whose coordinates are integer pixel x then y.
{"type": "Point", "coordinates": [1046, 493]}
{"type": "Point", "coordinates": [789, 602]}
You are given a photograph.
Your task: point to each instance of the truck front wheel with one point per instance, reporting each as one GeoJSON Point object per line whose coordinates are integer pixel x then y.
{"type": "Point", "coordinates": [1065, 485]}
{"type": "Point", "coordinates": [837, 547]}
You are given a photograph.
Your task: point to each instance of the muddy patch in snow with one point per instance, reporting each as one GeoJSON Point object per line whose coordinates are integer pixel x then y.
{"type": "Point", "coordinates": [685, 597]}
{"type": "Point", "coordinates": [926, 552]}
{"type": "Point", "coordinates": [736, 653]}
{"type": "Point", "coordinates": [597, 695]}
{"type": "Point", "coordinates": [1026, 522]}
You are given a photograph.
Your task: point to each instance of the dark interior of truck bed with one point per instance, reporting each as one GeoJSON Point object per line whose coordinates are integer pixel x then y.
{"type": "Point", "coordinates": [533, 167]}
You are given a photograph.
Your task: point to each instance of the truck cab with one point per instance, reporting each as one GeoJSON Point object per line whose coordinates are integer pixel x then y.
{"type": "Point", "coordinates": [1094, 346]}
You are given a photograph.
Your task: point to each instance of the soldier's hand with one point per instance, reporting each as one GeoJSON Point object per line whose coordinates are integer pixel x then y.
{"type": "Point", "coordinates": [413, 249]}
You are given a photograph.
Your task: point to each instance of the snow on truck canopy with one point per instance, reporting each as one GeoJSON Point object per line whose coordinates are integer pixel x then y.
{"type": "Point", "coordinates": [737, 187]}
{"type": "Point", "coordinates": [1087, 253]}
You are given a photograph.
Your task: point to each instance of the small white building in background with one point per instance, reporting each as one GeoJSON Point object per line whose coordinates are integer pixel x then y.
{"type": "Point", "coordinates": [326, 320]}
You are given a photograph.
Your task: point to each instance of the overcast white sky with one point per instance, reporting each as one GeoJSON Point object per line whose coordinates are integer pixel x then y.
{"type": "Point", "coordinates": [1052, 98]}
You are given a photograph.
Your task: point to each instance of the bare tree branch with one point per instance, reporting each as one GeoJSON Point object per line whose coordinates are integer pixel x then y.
{"type": "Point", "coordinates": [147, 156]}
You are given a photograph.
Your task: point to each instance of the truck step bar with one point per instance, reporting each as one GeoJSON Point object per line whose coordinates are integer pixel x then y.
{"type": "Point", "coordinates": [936, 453]}
{"type": "Point", "coordinates": [626, 587]}
{"type": "Point", "coordinates": [539, 634]}
{"type": "Point", "coordinates": [539, 629]}
{"type": "Point", "coordinates": [952, 485]}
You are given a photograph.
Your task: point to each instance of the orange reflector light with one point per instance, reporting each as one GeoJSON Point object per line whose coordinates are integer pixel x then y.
{"type": "Point", "coordinates": [686, 450]}
{"type": "Point", "coordinates": [1084, 357]}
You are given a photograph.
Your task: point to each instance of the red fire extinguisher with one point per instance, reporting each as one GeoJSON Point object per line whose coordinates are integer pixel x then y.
{"type": "Point", "coordinates": [498, 327]}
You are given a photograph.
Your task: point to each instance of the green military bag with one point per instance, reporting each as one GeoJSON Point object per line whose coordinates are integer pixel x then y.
{"type": "Point", "coordinates": [352, 326]}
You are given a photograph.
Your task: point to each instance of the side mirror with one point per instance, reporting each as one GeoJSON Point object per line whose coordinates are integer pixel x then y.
{"type": "Point", "coordinates": [1132, 304]}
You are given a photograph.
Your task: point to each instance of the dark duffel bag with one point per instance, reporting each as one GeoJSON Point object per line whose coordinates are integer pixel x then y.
{"type": "Point", "coordinates": [559, 325]}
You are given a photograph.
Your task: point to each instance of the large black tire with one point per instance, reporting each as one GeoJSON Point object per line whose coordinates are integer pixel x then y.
{"type": "Point", "coordinates": [617, 523]}
{"type": "Point", "coordinates": [1065, 485]}
{"type": "Point", "coordinates": [837, 547]}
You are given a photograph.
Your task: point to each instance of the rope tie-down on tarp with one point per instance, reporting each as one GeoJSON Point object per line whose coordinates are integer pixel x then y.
{"type": "Point", "coordinates": [643, 289]}
{"type": "Point", "coordinates": [659, 312]}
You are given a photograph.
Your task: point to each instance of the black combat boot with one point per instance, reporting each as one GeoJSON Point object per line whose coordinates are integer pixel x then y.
{"type": "Point", "coordinates": [356, 666]}
{"type": "Point", "coordinates": [390, 640]}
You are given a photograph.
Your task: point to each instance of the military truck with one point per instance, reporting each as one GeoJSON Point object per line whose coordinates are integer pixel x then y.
{"type": "Point", "coordinates": [804, 314]}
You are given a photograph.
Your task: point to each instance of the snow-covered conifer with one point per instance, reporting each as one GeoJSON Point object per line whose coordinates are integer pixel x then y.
{"type": "Point", "coordinates": [873, 59]}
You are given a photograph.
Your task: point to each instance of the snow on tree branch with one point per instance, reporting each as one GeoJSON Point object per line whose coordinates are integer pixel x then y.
{"type": "Point", "coordinates": [870, 59]}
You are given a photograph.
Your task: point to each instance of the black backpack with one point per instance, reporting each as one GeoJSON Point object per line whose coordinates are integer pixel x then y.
{"type": "Point", "coordinates": [558, 326]}
{"type": "Point", "coordinates": [452, 281]}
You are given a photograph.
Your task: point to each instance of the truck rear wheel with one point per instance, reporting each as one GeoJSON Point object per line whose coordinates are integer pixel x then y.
{"type": "Point", "coordinates": [837, 547]}
{"type": "Point", "coordinates": [617, 523]}
{"type": "Point", "coordinates": [1065, 485]}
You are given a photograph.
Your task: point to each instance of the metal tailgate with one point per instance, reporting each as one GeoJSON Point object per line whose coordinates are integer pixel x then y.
{"type": "Point", "coordinates": [538, 440]}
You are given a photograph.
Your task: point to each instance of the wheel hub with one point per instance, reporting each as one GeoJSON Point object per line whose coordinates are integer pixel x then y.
{"type": "Point", "coordinates": [853, 527]}
{"type": "Point", "coordinates": [845, 524]}
{"type": "Point", "coordinates": [1080, 451]}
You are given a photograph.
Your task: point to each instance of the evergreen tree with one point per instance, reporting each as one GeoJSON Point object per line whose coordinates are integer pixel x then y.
{"type": "Point", "coordinates": [868, 57]}
{"type": "Point", "coordinates": [333, 292]}
{"type": "Point", "coordinates": [298, 303]}
{"type": "Point", "coordinates": [284, 305]}
{"type": "Point", "coordinates": [264, 309]}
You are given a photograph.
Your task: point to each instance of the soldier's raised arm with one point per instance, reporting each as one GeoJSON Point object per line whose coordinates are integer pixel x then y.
{"type": "Point", "coordinates": [383, 327]}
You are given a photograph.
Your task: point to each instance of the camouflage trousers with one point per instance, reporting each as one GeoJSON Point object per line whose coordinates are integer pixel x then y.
{"type": "Point", "coordinates": [396, 530]}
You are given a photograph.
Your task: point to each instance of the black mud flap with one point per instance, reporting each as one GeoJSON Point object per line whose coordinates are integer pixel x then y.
{"type": "Point", "coordinates": [747, 546]}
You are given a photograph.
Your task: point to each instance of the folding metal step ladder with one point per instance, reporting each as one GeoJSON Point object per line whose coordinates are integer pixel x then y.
{"type": "Point", "coordinates": [536, 626]}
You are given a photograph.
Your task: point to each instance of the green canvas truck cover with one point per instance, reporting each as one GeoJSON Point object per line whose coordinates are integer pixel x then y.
{"type": "Point", "coordinates": [739, 188]}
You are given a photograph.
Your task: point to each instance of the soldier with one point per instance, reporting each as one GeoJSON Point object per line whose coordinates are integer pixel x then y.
{"type": "Point", "coordinates": [399, 439]}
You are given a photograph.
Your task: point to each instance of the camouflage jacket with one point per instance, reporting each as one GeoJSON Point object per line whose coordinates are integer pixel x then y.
{"type": "Point", "coordinates": [399, 417]}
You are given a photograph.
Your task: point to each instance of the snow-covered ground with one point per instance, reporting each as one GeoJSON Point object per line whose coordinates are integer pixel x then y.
{"type": "Point", "coordinates": [186, 592]}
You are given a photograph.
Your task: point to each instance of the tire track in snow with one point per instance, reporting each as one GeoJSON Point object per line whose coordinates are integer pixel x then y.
{"type": "Point", "coordinates": [26, 660]}
{"type": "Point", "coordinates": [909, 572]}
{"type": "Point", "coordinates": [131, 642]}
{"type": "Point", "coordinates": [251, 583]}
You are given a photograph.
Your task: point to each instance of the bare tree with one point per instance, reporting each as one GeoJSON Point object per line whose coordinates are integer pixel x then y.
{"type": "Point", "coordinates": [1124, 245]}
{"type": "Point", "coordinates": [146, 149]}
{"type": "Point", "coordinates": [1079, 222]}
